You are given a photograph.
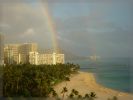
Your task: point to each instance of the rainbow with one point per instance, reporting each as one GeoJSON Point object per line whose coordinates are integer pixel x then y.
{"type": "Point", "coordinates": [50, 23]}
{"type": "Point", "coordinates": [52, 30]}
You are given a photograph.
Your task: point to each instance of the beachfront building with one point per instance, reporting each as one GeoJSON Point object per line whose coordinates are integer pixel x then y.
{"type": "Point", "coordinates": [94, 58]}
{"type": "Point", "coordinates": [60, 58]}
{"type": "Point", "coordinates": [8, 56]}
{"type": "Point", "coordinates": [1, 49]}
{"type": "Point", "coordinates": [11, 53]}
{"type": "Point", "coordinates": [24, 50]}
{"type": "Point", "coordinates": [33, 58]}
{"type": "Point", "coordinates": [18, 53]}
{"type": "Point", "coordinates": [45, 59]}
{"type": "Point", "coordinates": [27, 53]}
{"type": "Point", "coordinates": [37, 59]}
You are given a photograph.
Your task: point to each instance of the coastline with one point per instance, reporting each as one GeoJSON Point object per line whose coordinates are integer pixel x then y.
{"type": "Point", "coordinates": [85, 82]}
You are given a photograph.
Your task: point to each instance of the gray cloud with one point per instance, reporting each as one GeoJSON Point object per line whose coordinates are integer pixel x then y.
{"type": "Point", "coordinates": [84, 35]}
{"type": "Point", "coordinates": [99, 36]}
{"type": "Point", "coordinates": [20, 22]}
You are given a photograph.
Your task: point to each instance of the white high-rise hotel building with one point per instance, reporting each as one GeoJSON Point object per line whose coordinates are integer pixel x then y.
{"type": "Point", "coordinates": [1, 49]}
{"type": "Point", "coordinates": [24, 50]}
{"type": "Point", "coordinates": [11, 53]}
{"type": "Point", "coordinates": [18, 53]}
{"type": "Point", "coordinates": [27, 53]}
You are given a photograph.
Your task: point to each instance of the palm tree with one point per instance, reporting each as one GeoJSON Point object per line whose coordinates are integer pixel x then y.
{"type": "Point", "coordinates": [54, 94]}
{"type": "Point", "coordinates": [27, 80]}
{"type": "Point", "coordinates": [114, 98]}
{"type": "Point", "coordinates": [86, 96]}
{"type": "Point", "coordinates": [63, 92]}
{"type": "Point", "coordinates": [79, 97]}
{"type": "Point", "coordinates": [71, 96]}
{"type": "Point", "coordinates": [92, 95]}
{"type": "Point", "coordinates": [75, 92]}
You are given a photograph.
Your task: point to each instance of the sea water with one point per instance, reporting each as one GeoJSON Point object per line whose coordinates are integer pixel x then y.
{"type": "Point", "coordinates": [115, 73]}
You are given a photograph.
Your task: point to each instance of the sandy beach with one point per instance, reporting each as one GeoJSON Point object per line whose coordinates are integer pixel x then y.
{"type": "Point", "coordinates": [85, 83]}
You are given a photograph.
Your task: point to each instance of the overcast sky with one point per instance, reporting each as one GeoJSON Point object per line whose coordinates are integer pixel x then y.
{"type": "Point", "coordinates": [84, 27]}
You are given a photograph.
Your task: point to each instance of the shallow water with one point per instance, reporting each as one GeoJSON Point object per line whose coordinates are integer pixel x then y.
{"type": "Point", "coordinates": [115, 73]}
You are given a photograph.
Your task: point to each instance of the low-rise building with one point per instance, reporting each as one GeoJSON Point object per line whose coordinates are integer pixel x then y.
{"type": "Point", "coordinates": [33, 58]}
{"type": "Point", "coordinates": [36, 58]}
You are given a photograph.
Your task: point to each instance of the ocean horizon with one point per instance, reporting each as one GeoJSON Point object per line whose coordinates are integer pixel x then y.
{"type": "Point", "coordinates": [114, 73]}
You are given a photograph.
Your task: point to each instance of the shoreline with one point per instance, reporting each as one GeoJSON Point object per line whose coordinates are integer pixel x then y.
{"type": "Point", "coordinates": [85, 82]}
{"type": "Point", "coordinates": [110, 87]}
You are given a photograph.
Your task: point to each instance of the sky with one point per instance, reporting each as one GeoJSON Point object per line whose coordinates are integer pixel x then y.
{"type": "Point", "coordinates": [84, 27]}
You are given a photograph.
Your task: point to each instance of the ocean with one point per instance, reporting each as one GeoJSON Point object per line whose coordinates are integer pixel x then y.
{"type": "Point", "coordinates": [115, 73]}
